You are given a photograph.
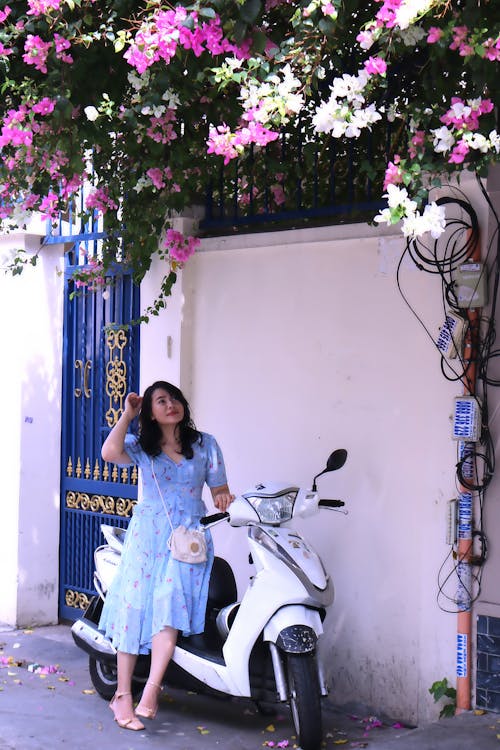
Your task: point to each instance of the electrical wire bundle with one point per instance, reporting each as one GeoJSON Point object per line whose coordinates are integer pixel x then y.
{"type": "Point", "coordinates": [476, 464]}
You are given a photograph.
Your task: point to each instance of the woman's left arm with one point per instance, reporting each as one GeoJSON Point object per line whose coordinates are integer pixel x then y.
{"type": "Point", "coordinates": [222, 497]}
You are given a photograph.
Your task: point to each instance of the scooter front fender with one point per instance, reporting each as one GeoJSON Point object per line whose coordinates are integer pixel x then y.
{"type": "Point", "coordinates": [294, 629]}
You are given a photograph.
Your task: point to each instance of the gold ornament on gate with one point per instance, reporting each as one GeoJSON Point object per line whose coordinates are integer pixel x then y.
{"type": "Point", "coordinates": [116, 375]}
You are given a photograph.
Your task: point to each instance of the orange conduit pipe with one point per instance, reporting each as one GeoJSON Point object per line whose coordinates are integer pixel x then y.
{"type": "Point", "coordinates": [464, 545]}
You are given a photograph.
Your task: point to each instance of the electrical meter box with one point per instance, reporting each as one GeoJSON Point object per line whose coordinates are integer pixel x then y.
{"type": "Point", "coordinates": [466, 419]}
{"type": "Point", "coordinates": [451, 334]}
{"type": "Point", "coordinates": [471, 287]}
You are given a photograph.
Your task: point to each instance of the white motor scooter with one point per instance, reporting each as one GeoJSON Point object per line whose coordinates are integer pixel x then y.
{"type": "Point", "coordinates": [263, 647]}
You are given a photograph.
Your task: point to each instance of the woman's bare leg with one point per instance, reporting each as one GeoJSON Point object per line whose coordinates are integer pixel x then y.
{"type": "Point", "coordinates": [163, 645]}
{"type": "Point", "coordinates": [122, 703]}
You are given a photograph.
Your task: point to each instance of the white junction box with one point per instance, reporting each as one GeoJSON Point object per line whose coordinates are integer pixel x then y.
{"type": "Point", "coordinates": [466, 419]}
{"type": "Point", "coordinates": [451, 336]}
{"type": "Point", "coordinates": [471, 287]}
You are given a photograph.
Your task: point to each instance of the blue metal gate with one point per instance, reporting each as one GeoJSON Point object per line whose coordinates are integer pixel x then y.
{"type": "Point", "coordinates": [100, 365]}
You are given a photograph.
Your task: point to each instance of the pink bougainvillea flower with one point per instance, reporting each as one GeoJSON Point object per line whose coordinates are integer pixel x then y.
{"type": "Point", "coordinates": [30, 202]}
{"type": "Point", "coordinates": [459, 35]}
{"type": "Point", "coordinates": [386, 16]}
{"type": "Point", "coordinates": [416, 143]}
{"type": "Point", "coordinates": [221, 142]}
{"type": "Point", "coordinates": [278, 194]}
{"type": "Point", "coordinates": [375, 66]}
{"type": "Point", "coordinates": [4, 13]}
{"type": "Point", "coordinates": [179, 246]}
{"type": "Point", "coordinates": [48, 206]}
{"type": "Point", "coordinates": [62, 45]}
{"type": "Point", "coordinates": [256, 133]}
{"type": "Point", "coordinates": [41, 7]}
{"type": "Point", "coordinates": [44, 107]}
{"type": "Point", "coordinates": [99, 199]}
{"type": "Point", "coordinates": [157, 177]}
{"type": "Point", "coordinates": [434, 35]}
{"type": "Point", "coordinates": [492, 49]}
{"type": "Point", "coordinates": [393, 173]}
{"type": "Point", "coordinates": [459, 152]}
{"type": "Point", "coordinates": [36, 52]}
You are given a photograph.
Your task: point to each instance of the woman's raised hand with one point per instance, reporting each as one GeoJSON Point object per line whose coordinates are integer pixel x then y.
{"type": "Point", "coordinates": [133, 404]}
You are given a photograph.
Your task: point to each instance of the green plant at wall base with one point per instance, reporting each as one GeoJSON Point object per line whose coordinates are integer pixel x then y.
{"type": "Point", "coordinates": [441, 689]}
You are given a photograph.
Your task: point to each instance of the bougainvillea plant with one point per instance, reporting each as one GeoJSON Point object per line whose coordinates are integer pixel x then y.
{"type": "Point", "coordinates": [138, 103]}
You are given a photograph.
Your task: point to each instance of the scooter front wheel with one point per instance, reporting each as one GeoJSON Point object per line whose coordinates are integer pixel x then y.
{"type": "Point", "coordinates": [104, 679]}
{"type": "Point", "coordinates": [305, 701]}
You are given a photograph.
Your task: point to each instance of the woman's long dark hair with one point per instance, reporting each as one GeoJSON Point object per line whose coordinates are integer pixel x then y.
{"type": "Point", "coordinates": [150, 434]}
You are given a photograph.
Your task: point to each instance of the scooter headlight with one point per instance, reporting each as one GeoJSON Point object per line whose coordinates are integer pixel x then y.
{"type": "Point", "coordinates": [273, 509]}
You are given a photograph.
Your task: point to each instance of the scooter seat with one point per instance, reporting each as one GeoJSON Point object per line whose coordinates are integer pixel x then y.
{"type": "Point", "coordinates": [222, 588]}
{"type": "Point", "coordinates": [222, 591]}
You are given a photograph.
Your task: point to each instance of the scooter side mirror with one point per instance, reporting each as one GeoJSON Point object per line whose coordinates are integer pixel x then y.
{"type": "Point", "coordinates": [335, 461]}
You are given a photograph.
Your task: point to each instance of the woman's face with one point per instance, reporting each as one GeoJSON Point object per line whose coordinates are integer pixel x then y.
{"type": "Point", "coordinates": [165, 409]}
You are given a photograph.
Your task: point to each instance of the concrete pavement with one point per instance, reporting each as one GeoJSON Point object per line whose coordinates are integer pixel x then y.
{"type": "Point", "coordinates": [47, 701]}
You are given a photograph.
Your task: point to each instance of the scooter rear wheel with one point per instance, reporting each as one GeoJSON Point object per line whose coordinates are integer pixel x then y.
{"type": "Point", "coordinates": [305, 701]}
{"type": "Point", "coordinates": [104, 679]}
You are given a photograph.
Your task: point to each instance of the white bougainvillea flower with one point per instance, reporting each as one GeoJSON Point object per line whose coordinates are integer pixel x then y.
{"type": "Point", "coordinates": [444, 139]}
{"type": "Point", "coordinates": [91, 113]}
{"type": "Point", "coordinates": [410, 10]}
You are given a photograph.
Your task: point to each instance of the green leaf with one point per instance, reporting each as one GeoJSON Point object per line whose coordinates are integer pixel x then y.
{"type": "Point", "coordinates": [327, 26]}
{"type": "Point", "coordinates": [207, 12]}
{"type": "Point", "coordinates": [250, 10]}
{"type": "Point", "coordinates": [447, 711]}
{"type": "Point", "coordinates": [441, 689]}
{"type": "Point", "coordinates": [260, 41]}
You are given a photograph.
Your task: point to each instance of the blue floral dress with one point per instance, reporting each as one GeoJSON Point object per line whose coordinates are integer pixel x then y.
{"type": "Point", "coordinates": [150, 589]}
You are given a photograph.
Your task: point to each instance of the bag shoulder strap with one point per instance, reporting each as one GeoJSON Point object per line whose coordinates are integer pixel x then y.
{"type": "Point", "coordinates": [161, 496]}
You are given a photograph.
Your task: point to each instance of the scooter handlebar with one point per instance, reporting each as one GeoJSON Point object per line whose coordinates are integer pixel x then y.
{"type": "Point", "coordinates": [213, 518]}
{"type": "Point", "coordinates": [331, 503]}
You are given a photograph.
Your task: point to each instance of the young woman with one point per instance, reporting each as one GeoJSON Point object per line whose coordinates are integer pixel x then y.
{"type": "Point", "coordinates": [153, 596]}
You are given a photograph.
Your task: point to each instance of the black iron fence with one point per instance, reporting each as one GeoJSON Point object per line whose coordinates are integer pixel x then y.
{"type": "Point", "coordinates": [297, 180]}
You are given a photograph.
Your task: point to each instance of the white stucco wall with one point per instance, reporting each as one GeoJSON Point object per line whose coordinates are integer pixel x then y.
{"type": "Point", "coordinates": [296, 343]}
{"type": "Point", "coordinates": [160, 344]}
{"type": "Point", "coordinates": [30, 383]}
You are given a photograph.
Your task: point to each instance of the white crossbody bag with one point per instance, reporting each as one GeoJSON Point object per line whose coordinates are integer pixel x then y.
{"type": "Point", "coordinates": [185, 545]}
